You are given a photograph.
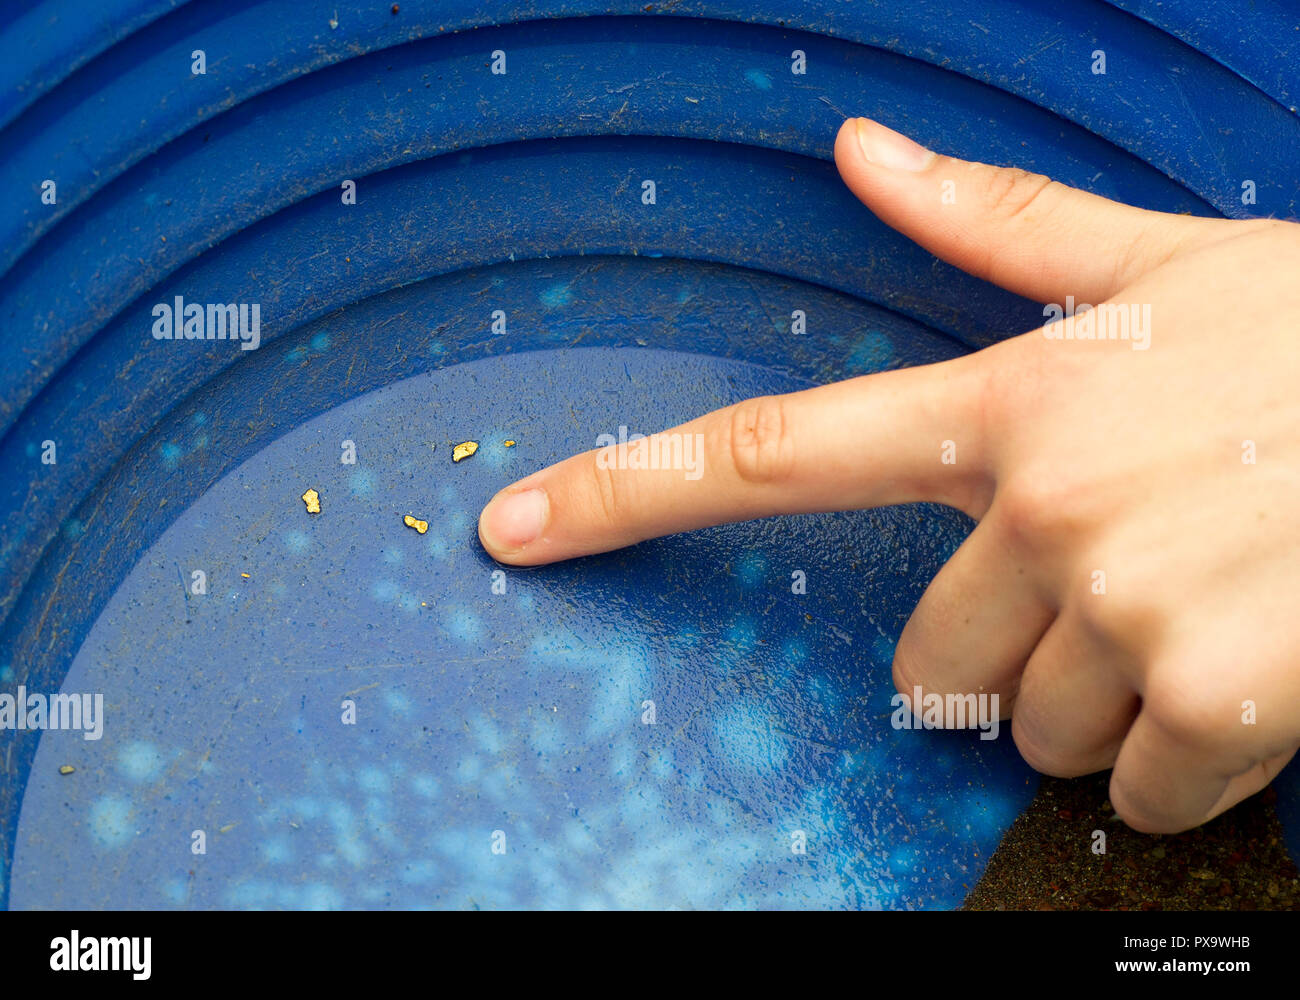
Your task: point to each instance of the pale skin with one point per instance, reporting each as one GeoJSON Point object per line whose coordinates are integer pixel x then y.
{"type": "Point", "coordinates": [1174, 470]}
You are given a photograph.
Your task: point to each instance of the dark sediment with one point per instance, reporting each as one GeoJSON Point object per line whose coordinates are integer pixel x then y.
{"type": "Point", "coordinates": [1046, 861]}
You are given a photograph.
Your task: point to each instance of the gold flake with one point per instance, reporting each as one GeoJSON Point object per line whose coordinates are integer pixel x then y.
{"type": "Point", "coordinates": [463, 450]}
{"type": "Point", "coordinates": [246, 576]}
{"type": "Point", "coordinates": [312, 499]}
{"type": "Point", "coordinates": [509, 444]}
{"type": "Point", "coordinates": [66, 769]}
{"type": "Point", "coordinates": [418, 525]}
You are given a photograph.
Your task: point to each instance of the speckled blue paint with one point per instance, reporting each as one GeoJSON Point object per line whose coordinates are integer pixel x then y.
{"type": "Point", "coordinates": [557, 296]}
{"type": "Point", "coordinates": [139, 762]}
{"type": "Point", "coordinates": [362, 481]}
{"type": "Point", "coordinates": [108, 821]}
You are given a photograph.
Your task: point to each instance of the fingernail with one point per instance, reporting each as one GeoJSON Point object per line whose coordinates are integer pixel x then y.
{"type": "Point", "coordinates": [510, 522]}
{"type": "Point", "coordinates": [889, 149]}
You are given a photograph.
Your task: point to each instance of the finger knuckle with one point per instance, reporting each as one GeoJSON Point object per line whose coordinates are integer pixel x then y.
{"type": "Point", "coordinates": [1136, 812]}
{"type": "Point", "coordinates": [1011, 192]}
{"type": "Point", "coordinates": [1003, 386]}
{"type": "Point", "coordinates": [1124, 613]}
{"type": "Point", "coordinates": [995, 395]}
{"type": "Point", "coordinates": [1043, 755]}
{"type": "Point", "coordinates": [1194, 715]}
{"type": "Point", "coordinates": [906, 670]}
{"type": "Point", "coordinates": [1043, 509]}
{"type": "Point", "coordinates": [759, 440]}
{"type": "Point", "coordinates": [609, 492]}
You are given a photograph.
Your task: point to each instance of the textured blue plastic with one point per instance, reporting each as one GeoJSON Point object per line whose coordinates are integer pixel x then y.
{"type": "Point", "coordinates": [519, 192]}
{"type": "Point", "coordinates": [1262, 47]}
{"type": "Point", "coordinates": [42, 44]}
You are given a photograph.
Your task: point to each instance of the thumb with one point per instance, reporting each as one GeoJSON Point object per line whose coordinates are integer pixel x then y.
{"type": "Point", "coordinates": [1029, 234]}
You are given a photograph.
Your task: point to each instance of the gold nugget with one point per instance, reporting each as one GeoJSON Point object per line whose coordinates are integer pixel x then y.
{"type": "Point", "coordinates": [66, 769]}
{"type": "Point", "coordinates": [463, 450]}
{"type": "Point", "coordinates": [416, 523]}
{"type": "Point", "coordinates": [312, 499]}
{"type": "Point", "coordinates": [509, 444]}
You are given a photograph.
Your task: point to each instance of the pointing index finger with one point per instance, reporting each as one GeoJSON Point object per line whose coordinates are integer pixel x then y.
{"type": "Point", "coordinates": [888, 438]}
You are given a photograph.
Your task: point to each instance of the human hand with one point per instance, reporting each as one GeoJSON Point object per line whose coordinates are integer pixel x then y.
{"type": "Point", "coordinates": [1166, 460]}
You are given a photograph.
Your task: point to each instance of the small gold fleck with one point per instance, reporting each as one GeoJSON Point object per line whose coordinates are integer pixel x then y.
{"type": "Point", "coordinates": [66, 769]}
{"type": "Point", "coordinates": [509, 444]}
{"type": "Point", "coordinates": [227, 828]}
{"type": "Point", "coordinates": [246, 576]}
{"type": "Point", "coordinates": [416, 523]}
{"type": "Point", "coordinates": [312, 499]}
{"type": "Point", "coordinates": [463, 450]}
